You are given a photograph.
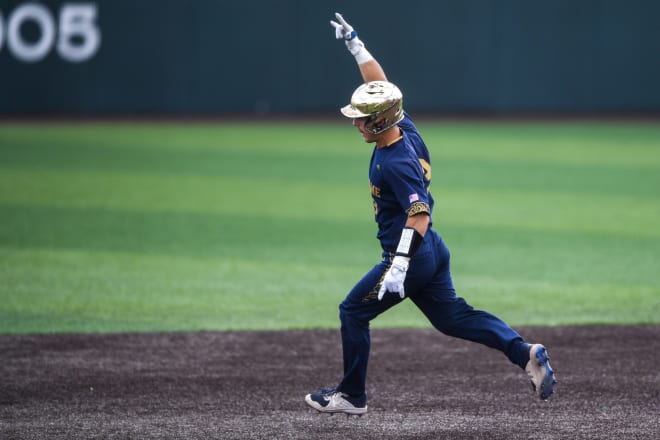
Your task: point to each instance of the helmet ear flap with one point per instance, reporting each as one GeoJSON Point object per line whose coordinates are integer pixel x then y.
{"type": "Point", "coordinates": [385, 119]}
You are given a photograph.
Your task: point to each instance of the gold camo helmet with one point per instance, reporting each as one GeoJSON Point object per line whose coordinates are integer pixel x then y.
{"type": "Point", "coordinates": [380, 101]}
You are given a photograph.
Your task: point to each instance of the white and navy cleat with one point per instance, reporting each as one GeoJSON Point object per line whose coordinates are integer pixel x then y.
{"type": "Point", "coordinates": [539, 371]}
{"type": "Point", "coordinates": [332, 401]}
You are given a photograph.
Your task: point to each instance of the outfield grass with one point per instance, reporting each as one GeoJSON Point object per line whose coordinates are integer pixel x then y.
{"type": "Point", "coordinates": [148, 227]}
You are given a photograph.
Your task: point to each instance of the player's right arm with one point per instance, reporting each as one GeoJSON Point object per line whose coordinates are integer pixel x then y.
{"type": "Point", "coordinates": [370, 69]}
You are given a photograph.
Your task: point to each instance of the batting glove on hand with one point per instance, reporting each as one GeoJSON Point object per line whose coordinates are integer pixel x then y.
{"type": "Point", "coordinates": [344, 31]}
{"type": "Point", "coordinates": [394, 277]}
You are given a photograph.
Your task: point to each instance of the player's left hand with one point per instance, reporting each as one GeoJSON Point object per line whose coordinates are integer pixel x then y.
{"type": "Point", "coordinates": [343, 30]}
{"type": "Point", "coordinates": [394, 277]}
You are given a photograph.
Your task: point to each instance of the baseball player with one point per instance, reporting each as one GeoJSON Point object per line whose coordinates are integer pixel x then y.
{"type": "Point", "coordinates": [415, 260]}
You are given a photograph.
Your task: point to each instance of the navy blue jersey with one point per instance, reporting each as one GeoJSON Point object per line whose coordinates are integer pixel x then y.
{"type": "Point", "coordinates": [400, 176]}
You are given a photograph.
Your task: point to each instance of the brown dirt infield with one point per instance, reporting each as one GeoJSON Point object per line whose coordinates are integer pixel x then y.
{"type": "Point", "coordinates": [250, 385]}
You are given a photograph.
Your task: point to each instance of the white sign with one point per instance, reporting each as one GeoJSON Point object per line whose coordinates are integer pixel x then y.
{"type": "Point", "coordinates": [78, 36]}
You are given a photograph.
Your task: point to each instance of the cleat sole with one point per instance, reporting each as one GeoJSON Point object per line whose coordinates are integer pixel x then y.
{"type": "Point", "coordinates": [548, 383]}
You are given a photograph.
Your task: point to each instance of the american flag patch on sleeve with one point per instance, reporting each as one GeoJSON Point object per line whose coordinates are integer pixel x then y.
{"type": "Point", "coordinates": [413, 198]}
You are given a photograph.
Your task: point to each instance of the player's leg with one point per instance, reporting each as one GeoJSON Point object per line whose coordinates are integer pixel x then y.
{"type": "Point", "coordinates": [357, 310]}
{"type": "Point", "coordinates": [453, 316]}
{"type": "Point", "coordinates": [359, 307]}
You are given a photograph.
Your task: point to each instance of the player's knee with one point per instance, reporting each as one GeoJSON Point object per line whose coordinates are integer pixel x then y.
{"type": "Point", "coordinates": [344, 312]}
{"type": "Point", "coordinates": [447, 327]}
{"type": "Point", "coordinates": [349, 315]}
{"type": "Point", "coordinates": [453, 318]}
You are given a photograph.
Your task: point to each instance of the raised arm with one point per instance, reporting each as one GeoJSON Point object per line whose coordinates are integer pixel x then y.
{"type": "Point", "coordinates": [370, 69]}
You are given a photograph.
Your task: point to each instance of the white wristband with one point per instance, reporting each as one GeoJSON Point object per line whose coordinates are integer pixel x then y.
{"type": "Point", "coordinates": [363, 56]}
{"type": "Point", "coordinates": [356, 48]}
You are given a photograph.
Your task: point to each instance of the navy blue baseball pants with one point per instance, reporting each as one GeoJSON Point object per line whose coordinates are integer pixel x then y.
{"type": "Point", "coordinates": [429, 285]}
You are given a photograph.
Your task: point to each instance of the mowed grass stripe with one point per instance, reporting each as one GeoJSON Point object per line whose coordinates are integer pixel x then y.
{"type": "Point", "coordinates": [547, 212]}
{"type": "Point", "coordinates": [620, 160]}
{"type": "Point", "coordinates": [578, 179]}
{"type": "Point", "coordinates": [69, 290]}
{"type": "Point", "coordinates": [258, 166]}
{"type": "Point", "coordinates": [553, 257]}
{"type": "Point", "coordinates": [180, 233]}
{"type": "Point", "coordinates": [188, 193]}
{"type": "Point", "coordinates": [578, 302]}
{"type": "Point", "coordinates": [510, 252]}
{"type": "Point", "coordinates": [306, 170]}
{"type": "Point", "coordinates": [621, 145]}
{"type": "Point", "coordinates": [119, 291]}
{"type": "Point", "coordinates": [141, 138]}
{"type": "Point", "coordinates": [527, 209]}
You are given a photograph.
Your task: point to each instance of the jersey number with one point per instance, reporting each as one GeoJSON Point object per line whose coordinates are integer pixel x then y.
{"type": "Point", "coordinates": [427, 169]}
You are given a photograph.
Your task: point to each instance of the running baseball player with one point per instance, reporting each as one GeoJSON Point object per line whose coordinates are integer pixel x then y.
{"type": "Point", "coordinates": [415, 260]}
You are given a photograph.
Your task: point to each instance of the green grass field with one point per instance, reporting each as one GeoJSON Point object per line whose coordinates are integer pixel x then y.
{"type": "Point", "coordinates": [172, 226]}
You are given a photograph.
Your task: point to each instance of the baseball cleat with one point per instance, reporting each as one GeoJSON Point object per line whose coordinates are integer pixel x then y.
{"type": "Point", "coordinates": [539, 371]}
{"type": "Point", "coordinates": [329, 400]}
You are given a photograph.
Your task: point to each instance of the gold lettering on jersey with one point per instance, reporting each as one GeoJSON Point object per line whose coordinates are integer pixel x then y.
{"type": "Point", "coordinates": [375, 191]}
{"type": "Point", "coordinates": [427, 169]}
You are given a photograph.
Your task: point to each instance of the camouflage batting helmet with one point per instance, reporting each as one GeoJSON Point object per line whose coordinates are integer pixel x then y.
{"type": "Point", "coordinates": [379, 101]}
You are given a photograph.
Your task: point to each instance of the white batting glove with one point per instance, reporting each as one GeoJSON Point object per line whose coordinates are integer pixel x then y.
{"type": "Point", "coordinates": [344, 31]}
{"type": "Point", "coordinates": [394, 277]}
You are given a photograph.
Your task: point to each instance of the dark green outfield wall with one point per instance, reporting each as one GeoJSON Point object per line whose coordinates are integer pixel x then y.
{"type": "Point", "coordinates": [213, 56]}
